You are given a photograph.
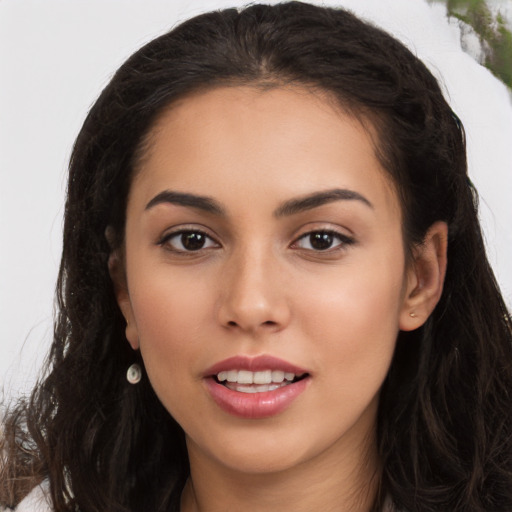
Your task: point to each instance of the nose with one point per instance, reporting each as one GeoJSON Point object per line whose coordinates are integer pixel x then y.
{"type": "Point", "coordinates": [253, 294]}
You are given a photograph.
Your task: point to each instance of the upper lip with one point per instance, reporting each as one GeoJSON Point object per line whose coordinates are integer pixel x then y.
{"type": "Point", "coordinates": [254, 364]}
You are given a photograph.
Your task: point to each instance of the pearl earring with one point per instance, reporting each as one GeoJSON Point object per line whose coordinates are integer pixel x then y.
{"type": "Point", "coordinates": [412, 314]}
{"type": "Point", "coordinates": [134, 374]}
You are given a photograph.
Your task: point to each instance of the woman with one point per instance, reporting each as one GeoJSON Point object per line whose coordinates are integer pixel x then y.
{"type": "Point", "coordinates": [273, 292]}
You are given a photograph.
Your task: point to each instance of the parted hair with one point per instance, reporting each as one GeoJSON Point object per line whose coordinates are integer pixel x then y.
{"type": "Point", "coordinates": [445, 413]}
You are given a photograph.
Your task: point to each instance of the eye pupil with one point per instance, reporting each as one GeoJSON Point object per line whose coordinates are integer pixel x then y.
{"type": "Point", "coordinates": [193, 241]}
{"type": "Point", "coordinates": [321, 241]}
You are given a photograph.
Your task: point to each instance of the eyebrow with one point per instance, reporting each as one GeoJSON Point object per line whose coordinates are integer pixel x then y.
{"type": "Point", "coordinates": [204, 203]}
{"type": "Point", "coordinates": [317, 199]}
{"type": "Point", "coordinates": [291, 207]}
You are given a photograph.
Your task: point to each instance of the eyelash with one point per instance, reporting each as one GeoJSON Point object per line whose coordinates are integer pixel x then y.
{"type": "Point", "coordinates": [343, 241]}
{"type": "Point", "coordinates": [165, 240]}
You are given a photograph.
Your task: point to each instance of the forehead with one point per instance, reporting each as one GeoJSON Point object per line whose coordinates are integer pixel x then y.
{"type": "Point", "coordinates": [287, 138]}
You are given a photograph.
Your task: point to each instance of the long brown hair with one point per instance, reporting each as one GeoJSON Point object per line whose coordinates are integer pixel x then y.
{"type": "Point", "coordinates": [445, 416]}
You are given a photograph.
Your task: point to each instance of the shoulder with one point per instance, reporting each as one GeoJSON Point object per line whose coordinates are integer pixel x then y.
{"type": "Point", "coordinates": [38, 500]}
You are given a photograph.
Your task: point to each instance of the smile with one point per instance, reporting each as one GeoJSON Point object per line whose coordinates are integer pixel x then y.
{"type": "Point", "coordinates": [253, 388]}
{"type": "Point", "coordinates": [245, 381]}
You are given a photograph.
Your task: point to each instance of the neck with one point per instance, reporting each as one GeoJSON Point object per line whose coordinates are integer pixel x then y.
{"type": "Point", "coordinates": [329, 482]}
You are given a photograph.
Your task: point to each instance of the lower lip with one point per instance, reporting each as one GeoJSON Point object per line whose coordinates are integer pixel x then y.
{"type": "Point", "coordinates": [255, 405]}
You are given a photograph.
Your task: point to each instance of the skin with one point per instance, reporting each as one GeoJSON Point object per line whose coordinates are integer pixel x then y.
{"type": "Point", "coordinates": [258, 286]}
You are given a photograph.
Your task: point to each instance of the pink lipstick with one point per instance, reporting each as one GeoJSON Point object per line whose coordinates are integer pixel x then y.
{"type": "Point", "coordinates": [255, 387]}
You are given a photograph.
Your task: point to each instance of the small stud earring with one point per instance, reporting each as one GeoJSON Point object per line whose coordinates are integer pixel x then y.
{"type": "Point", "coordinates": [412, 314]}
{"type": "Point", "coordinates": [134, 374]}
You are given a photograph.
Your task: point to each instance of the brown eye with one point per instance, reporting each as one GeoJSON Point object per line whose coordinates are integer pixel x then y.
{"type": "Point", "coordinates": [188, 241]}
{"type": "Point", "coordinates": [323, 241]}
{"type": "Point", "coordinates": [193, 241]}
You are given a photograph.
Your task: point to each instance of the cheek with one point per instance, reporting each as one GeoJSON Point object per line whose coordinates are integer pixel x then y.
{"type": "Point", "coordinates": [355, 315]}
{"type": "Point", "coordinates": [170, 319]}
{"type": "Point", "coordinates": [358, 292]}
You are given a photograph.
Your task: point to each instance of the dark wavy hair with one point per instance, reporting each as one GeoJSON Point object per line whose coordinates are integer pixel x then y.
{"type": "Point", "coordinates": [445, 413]}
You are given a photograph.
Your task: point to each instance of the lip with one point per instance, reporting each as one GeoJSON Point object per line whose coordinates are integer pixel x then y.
{"type": "Point", "coordinates": [254, 364]}
{"type": "Point", "coordinates": [254, 405]}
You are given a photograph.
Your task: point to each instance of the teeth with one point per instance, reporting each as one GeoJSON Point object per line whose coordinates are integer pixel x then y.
{"type": "Point", "coordinates": [245, 377]}
{"type": "Point", "coordinates": [277, 376]}
{"type": "Point", "coordinates": [243, 388]}
{"type": "Point", "coordinates": [232, 376]}
{"type": "Point", "coordinates": [261, 378]}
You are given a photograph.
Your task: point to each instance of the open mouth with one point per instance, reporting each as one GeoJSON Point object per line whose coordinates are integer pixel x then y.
{"type": "Point", "coordinates": [255, 387]}
{"type": "Point", "coordinates": [245, 381]}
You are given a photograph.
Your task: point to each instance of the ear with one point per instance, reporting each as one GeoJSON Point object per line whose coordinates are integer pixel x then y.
{"type": "Point", "coordinates": [116, 269]}
{"type": "Point", "coordinates": [425, 278]}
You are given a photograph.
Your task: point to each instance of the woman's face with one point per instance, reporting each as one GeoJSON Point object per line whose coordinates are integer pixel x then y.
{"type": "Point", "coordinates": [264, 242]}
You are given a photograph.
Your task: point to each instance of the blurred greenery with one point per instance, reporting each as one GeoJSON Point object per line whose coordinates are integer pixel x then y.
{"type": "Point", "coordinates": [495, 37]}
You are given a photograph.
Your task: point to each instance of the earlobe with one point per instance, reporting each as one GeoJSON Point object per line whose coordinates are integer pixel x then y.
{"type": "Point", "coordinates": [117, 274]}
{"type": "Point", "coordinates": [425, 278]}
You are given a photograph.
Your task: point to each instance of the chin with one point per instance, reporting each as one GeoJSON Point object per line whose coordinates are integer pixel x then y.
{"type": "Point", "coordinates": [252, 452]}
{"type": "Point", "coordinates": [264, 463]}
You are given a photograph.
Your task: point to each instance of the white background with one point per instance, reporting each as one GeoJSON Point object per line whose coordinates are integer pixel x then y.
{"type": "Point", "coordinates": [56, 56]}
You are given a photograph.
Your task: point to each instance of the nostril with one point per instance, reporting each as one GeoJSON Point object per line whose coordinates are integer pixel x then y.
{"type": "Point", "coordinates": [269, 323]}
